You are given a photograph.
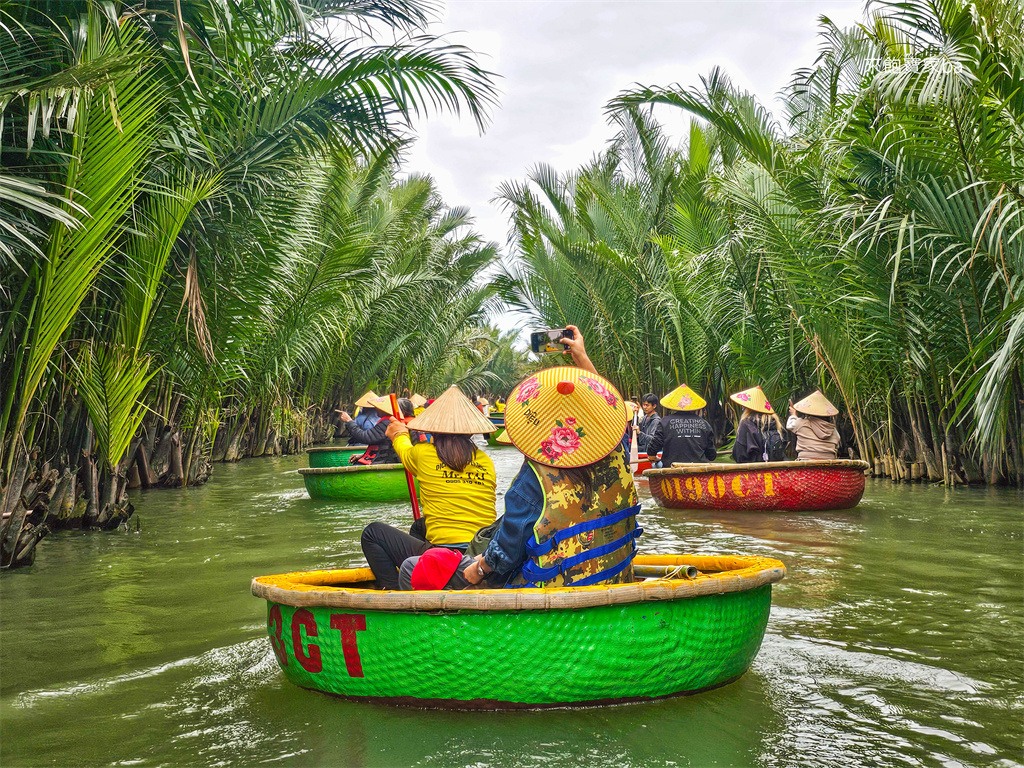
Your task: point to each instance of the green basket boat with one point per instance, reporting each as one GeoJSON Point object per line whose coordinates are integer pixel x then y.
{"type": "Point", "coordinates": [334, 455]}
{"type": "Point", "coordinates": [522, 648]}
{"type": "Point", "coordinates": [377, 482]}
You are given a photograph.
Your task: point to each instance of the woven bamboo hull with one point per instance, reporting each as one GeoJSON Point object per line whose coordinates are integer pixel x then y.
{"type": "Point", "coordinates": [791, 486]}
{"type": "Point", "coordinates": [509, 649]}
{"type": "Point", "coordinates": [380, 482]}
{"type": "Point", "coordinates": [334, 456]}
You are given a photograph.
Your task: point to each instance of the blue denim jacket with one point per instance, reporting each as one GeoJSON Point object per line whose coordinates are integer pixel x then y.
{"type": "Point", "coordinates": [524, 501]}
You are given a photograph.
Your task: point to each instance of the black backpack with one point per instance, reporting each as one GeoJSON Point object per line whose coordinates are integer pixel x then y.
{"type": "Point", "coordinates": [774, 447]}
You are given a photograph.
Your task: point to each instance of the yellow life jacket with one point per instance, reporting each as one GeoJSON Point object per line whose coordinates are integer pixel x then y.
{"type": "Point", "coordinates": [576, 541]}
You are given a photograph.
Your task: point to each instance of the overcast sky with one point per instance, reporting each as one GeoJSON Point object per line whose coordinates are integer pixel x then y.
{"type": "Point", "coordinates": [560, 61]}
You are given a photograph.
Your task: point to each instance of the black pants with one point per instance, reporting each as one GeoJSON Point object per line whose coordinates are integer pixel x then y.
{"type": "Point", "coordinates": [386, 548]}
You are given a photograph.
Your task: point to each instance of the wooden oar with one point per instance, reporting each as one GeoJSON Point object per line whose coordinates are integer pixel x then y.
{"type": "Point", "coordinates": [408, 475]}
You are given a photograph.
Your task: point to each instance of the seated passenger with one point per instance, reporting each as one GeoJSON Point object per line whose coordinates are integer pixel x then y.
{"type": "Point", "coordinates": [366, 415]}
{"type": "Point", "coordinates": [811, 421]}
{"type": "Point", "coordinates": [570, 514]}
{"type": "Point", "coordinates": [457, 486]}
{"type": "Point", "coordinates": [759, 434]}
{"type": "Point", "coordinates": [683, 437]}
{"type": "Point", "coordinates": [648, 424]}
{"type": "Point", "coordinates": [378, 444]}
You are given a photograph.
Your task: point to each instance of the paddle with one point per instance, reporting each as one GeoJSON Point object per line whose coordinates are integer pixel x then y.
{"type": "Point", "coordinates": [408, 475]}
{"type": "Point", "coordinates": [633, 458]}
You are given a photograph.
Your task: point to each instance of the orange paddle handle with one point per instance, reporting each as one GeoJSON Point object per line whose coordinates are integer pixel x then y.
{"type": "Point", "coordinates": [408, 475]}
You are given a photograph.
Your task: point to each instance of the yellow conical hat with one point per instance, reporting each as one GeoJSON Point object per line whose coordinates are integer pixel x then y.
{"type": "Point", "coordinates": [418, 401]}
{"type": "Point", "coordinates": [382, 403]}
{"type": "Point", "coordinates": [682, 398]}
{"type": "Point", "coordinates": [816, 404]}
{"type": "Point", "coordinates": [565, 417]}
{"type": "Point", "coordinates": [502, 437]}
{"type": "Point", "coordinates": [364, 401]}
{"type": "Point", "coordinates": [452, 414]}
{"type": "Point", "coordinates": [753, 399]}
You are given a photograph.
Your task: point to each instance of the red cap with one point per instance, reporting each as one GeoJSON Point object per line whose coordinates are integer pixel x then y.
{"type": "Point", "coordinates": [434, 568]}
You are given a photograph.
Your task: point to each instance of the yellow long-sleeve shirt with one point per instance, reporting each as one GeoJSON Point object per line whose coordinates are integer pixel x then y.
{"type": "Point", "coordinates": [454, 504]}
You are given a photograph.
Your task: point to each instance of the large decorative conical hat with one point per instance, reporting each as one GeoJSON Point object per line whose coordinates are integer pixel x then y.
{"type": "Point", "coordinates": [452, 414]}
{"type": "Point", "coordinates": [418, 401]}
{"type": "Point", "coordinates": [364, 401]}
{"type": "Point", "coordinates": [682, 398]}
{"type": "Point", "coordinates": [565, 417]}
{"type": "Point", "coordinates": [753, 399]}
{"type": "Point", "coordinates": [816, 404]}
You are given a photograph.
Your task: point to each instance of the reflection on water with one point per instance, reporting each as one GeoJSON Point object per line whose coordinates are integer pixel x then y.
{"type": "Point", "coordinates": [894, 640]}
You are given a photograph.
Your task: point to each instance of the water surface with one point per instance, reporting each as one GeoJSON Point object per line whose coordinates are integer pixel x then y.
{"type": "Point", "coordinates": [896, 639]}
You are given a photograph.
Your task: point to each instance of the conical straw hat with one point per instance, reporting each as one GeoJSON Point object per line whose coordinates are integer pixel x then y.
{"type": "Point", "coordinates": [502, 437]}
{"type": "Point", "coordinates": [682, 398]}
{"type": "Point", "coordinates": [753, 399]}
{"type": "Point", "coordinates": [452, 414]}
{"type": "Point", "coordinates": [364, 401]}
{"type": "Point", "coordinates": [816, 404]}
{"type": "Point", "coordinates": [565, 417]}
{"type": "Point", "coordinates": [381, 403]}
{"type": "Point", "coordinates": [418, 401]}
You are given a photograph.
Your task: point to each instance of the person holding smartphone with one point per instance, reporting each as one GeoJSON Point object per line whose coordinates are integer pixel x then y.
{"type": "Point", "coordinates": [570, 513]}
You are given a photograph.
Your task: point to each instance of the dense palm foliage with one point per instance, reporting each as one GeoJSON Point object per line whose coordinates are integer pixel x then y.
{"type": "Point", "coordinates": [202, 229]}
{"type": "Point", "coordinates": [871, 246]}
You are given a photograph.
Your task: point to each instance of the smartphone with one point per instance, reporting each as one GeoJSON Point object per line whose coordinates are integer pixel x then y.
{"type": "Point", "coordinates": [542, 342]}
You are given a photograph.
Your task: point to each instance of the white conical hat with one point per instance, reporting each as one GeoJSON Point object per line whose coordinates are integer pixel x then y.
{"type": "Point", "coordinates": [364, 401]}
{"type": "Point", "coordinates": [816, 404]}
{"type": "Point", "coordinates": [452, 414]}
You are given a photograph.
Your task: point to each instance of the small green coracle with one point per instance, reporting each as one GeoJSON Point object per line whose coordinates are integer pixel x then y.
{"type": "Point", "coordinates": [334, 455]}
{"type": "Point", "coordinates": [521, 648]}
{"type": "Point", "coordinates": [374, 483]}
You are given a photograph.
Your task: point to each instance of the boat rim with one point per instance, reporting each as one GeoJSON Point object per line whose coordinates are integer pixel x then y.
{"type": "Point", "coordinates": [721, 574]}
{"type": "Point", "coordinates": [329, 448]}
{"type": "Point", "coordinates": [349, 468]}
{"type": "Point", "coordinates": [680, 468]}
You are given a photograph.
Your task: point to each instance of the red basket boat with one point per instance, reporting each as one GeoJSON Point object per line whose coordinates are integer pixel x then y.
{"type": "Point", "coordinates": [791, 486]}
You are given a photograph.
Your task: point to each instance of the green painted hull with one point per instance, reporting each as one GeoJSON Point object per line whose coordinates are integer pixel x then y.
{"type": "Point", "coordinates": [369, 484]}
{"type": "Point", "coordinates": [334, 456]}
{"type": "Point", "coordinates": [522, 659]}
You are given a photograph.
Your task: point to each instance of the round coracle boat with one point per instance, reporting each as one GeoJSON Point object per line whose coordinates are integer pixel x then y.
{"type": "Point", "coordinates": [789, 486]}
{"type": "Point", "coordinates": [682, 632]}
{"type": "Point", "coordinates": [334, 455]}
{"type": "Point", "coordinates": [497, 420]}
{"type": "Point", "coordinates": [377, 482]}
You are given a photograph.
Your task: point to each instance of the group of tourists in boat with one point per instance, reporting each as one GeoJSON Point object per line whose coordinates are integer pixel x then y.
{"type": "Point", "coordinates": [563, 552]}
{"type": "Point", "coordinates": [684, 436]}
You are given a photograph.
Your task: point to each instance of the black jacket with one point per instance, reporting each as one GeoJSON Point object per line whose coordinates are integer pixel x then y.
{"type": "Point", "coordinates": [374, 436]}
{"type": "Point", "coordinates": [684, 438]}
{"type": "Point", "coordinates": [645, 431]}
{"type": "Point", "coordinates": [750, 439]}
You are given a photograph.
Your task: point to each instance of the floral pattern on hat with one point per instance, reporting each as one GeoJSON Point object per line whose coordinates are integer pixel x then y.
{"type": "Point", "coordinates": [600, 389]}
{"type": "Point", "coordinates": [743, 396]}
{"type": "Point", "coordinates": [527, 389]}
{"type": "Point", "coordinates": [768, 405]}
{"type": "Point", "coordinates": [564, 439]}
{"type": "Point", "coordinates": [685, 400]}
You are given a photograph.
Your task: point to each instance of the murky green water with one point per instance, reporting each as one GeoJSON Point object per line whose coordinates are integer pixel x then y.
{"type": "Point", "coordinates": [896, 639]}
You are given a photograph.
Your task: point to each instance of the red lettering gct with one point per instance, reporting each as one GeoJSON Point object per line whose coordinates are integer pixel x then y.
{"type": "Point", "coordinates": [308, 660]}
{"type": "Point", "coordinates": [348, 624]}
